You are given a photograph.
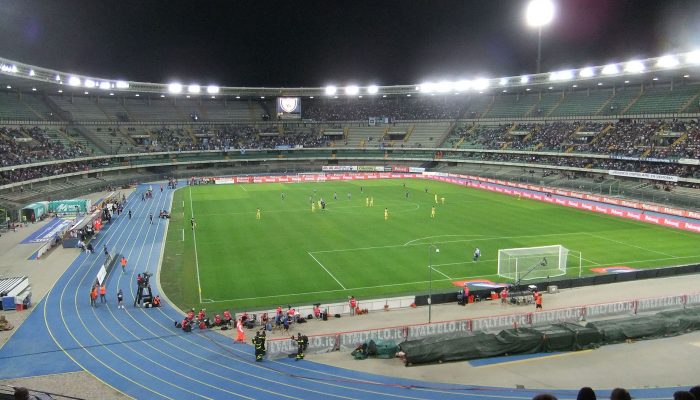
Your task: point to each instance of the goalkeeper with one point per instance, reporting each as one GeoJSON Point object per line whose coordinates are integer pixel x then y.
{"type": "Point", "coordinates": [477, 254]}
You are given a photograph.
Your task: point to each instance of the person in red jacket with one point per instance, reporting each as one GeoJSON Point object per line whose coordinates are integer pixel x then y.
{"type": "Point", "coordinates": [227, 317]}
{"type": "Point", "coordinates": [353, 304]}
{"type": "Point", "coordinates": [538, 300]}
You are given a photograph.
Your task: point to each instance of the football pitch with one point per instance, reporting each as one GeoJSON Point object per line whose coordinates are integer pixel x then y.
{"type": "Point", "coordinates": [293, 255]}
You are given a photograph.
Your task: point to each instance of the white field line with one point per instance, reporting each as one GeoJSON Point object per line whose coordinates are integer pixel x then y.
{"type": "Point", "coordinates": [436, 280]}
{"type": "Point", "coordinates": [437, 236]}
{"type": "Point", "coordinates": [439, 272]}
{"type": "Point", "coordinates": [329, 272]}
{"type": "Point", "coordinates": [183, 234]}
{"type": "Point", "coordinates": [447, 241]}
{"type": "Point", "coordinates": [629, 244]}
{"type": "Point", "coordinates": [196, 258]}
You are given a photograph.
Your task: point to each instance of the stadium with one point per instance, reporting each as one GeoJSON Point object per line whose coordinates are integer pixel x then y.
{"type": "Point", "coordinates": [496, 236]}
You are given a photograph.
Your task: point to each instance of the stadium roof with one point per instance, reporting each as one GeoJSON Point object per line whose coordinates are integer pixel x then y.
{"type": "Point", "coordinates": [17, 76]}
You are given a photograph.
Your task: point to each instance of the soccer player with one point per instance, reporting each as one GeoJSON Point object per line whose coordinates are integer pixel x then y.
{"type": "Point", "coordinates": [367, 201]}
{"type": "Point", "coordinates": [371, 201]}
{"type": "Point", "coordinates": [407, 194]}
{"type": "Point", "coordinates": [436, 200]}
{"type": "Point", "coordinates": [442, 200]}
{"type": "Point", "coordinates": [349, 196]}
{"type": "Point", "coordinates": [335, 195]}
{"type": "Point", "coordinates": [477, 254]}
{"type": "Point", "coordinates": [257, 214]}
{"type": "Point", "coordinates": [282, 196]}
{"type": "Point", "coordinates": [520, 196]}
{"type": "Point", "coordinates": [193, 223]}
{"type": "Point", "coordinates": [432, 212]}
{"type": "Point", "coordinates": [313, 207]}
{"type": "Point", "coordinates": [386, 214]}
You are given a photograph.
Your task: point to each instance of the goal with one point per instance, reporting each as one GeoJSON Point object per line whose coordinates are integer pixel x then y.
{"type": "Point", "coordinates": [529, 263]}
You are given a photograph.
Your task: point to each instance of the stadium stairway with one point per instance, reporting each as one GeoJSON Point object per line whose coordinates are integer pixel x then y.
{"type": "Point", "coordinates": [140, 353]}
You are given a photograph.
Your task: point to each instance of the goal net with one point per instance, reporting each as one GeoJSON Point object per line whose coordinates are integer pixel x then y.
{"type": "Point", "coordinates": [529, 263]}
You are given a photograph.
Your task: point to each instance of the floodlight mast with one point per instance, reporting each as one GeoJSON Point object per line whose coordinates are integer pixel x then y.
{"type": "Point", "coordinates": [538, 14]}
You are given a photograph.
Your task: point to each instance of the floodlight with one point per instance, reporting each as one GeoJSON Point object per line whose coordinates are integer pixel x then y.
{"type": "Point", "coordinates": [586, 72]}
{"type": "Point", "coordinates": [600, 83]}
{"type": "Point", "coordinates": [58, 77]}
{"type": "Point", "coordinates": [444, 86]}
{"type": "Point", "coordinates": [654, 79]}
{"type": "Point", "coordinates": [503, 81]}
{"type": "Point", "coordinates": [352, 90]}
{"type": "Point", "coordinates": [174, 88]}
{"type": "Point", "coordinates": [194, 88]}
{"type": "Point", "coordinates": [634, 66]}
{"type": "Point", "coordinates": [105, 85]}
{"type": "Point", "coordinates": [188, 96]}
{"type": "Point", "coordinates": [111, 94]}
{"type": "Point", "coordinates": [330, 90]}
{"type": "Point", "coordinates": [359, 97]}
{"type": "Point", "coordinates": [74, 81]}
{"type": "Point", "coordinates": [693, 58]}
{"type": "Point", "coordinates": [9, 87]}
{"type": "Point", "coordinates": [162, 95]}
{"type": "Point", "coordinates": [667, 62]}
{"type": "Point", "coordinates": [212, 89]}
{"type": "Point", "coordinates": [311, 97]}
{"type": "Point", "coordinates": [384, 95]}
{"type": "Point", "coordinates": [238, 97]}
{"type": "Point", "coordinates": [60, 90]}
{"type": "Point", "coordinates": [686, 76]}
{"type": "Point", "coordinates": [561, 75]}
{"type": "Point", "coordinates": [504, 91]}
{"type": "Point", "coordinates": [427, 87]}
{"type": "Point", "coordinates": [31, 72]}
{"type": "Point", "coordinates": [8, 68]}
{"type": "Point", "coordinates": [481, 84]}
{"type": "Point", "coordinates": [262, 97]}
{"type": "Point", "coordinates": [524, 79]}
{"type": "Point", "coordinates": [87, 92]}
{"type": "Point", "coordinates": [527, 90]}
{"type": "Point", "coordinates": [574, 86]}
{"type": "Point", "coordinates": [610, 69]}
{"type": "Point", "coordinates": [89, 83]}
{"type": "Point", "coordinates": [372, 89]}
{"type": "Point", "coordinates": [463, 85]}
{"type": "Point", "coordinates": [33, 89]}
{"type": "Point", "coordinates": [137, 95]}
{"type": "Point", "coordinates": [539, 13]}
{"type": "Point", "coordinates": [408, 95]}
{"type": "Point", "coordinates": [122, 85]}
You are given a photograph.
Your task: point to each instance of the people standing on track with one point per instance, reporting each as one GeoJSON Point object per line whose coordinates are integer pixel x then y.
{"type": "Point", "coordinates": [129, 214]}
{"type": "Point", "coordinates": [93, 296]}
{"type": "Point", "coordinates": [103, 293]}
{"type": "Point", "coordinates": [240, 336]}
{"type": "Point", "coordinates": [123, 262]}
{"type": "Point", "coordinates": [150, 216]}
{"type": "Point", "coordinates": [302, 343]}
{"type": "Point", "coordinates": [120, 299]}
{"type": "Point", "coordinates": [257, 342]}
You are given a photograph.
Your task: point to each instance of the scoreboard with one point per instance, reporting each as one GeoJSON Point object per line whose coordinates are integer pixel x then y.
{"type": "Point", "coordinates": [288, 107]}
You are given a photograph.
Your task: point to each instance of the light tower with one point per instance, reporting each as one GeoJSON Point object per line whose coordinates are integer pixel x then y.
{"type": "Point", "coordinates": [538, 14]}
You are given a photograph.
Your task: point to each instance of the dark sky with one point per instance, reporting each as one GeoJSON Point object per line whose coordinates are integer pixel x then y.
{"type": "Point", "coordinates": [314, 43]}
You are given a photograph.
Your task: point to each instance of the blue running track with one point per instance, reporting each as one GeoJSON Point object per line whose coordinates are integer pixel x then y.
{"type": "Point", "coordinates": [140, 353]}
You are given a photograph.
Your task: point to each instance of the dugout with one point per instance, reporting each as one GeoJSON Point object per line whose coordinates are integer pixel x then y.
{"type": "Point", "coordinates": [33, 212]}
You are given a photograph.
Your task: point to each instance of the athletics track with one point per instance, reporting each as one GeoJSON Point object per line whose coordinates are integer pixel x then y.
{"type": "Point", "coordinates": [139, 352]}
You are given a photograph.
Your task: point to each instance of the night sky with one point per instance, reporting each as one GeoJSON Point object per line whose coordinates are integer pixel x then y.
{"type": "Point", "coordinates": [315, 43]}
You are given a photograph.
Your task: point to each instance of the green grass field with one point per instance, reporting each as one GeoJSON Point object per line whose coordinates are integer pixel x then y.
{"type": "Point", "coordinates": [295, 256]}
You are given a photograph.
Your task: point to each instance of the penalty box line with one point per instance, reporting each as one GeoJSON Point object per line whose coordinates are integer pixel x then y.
{"type": "Point", "coordinates": [434, 280]}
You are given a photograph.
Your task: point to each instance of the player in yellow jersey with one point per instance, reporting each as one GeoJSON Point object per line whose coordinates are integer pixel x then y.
{"type": "Point", "coordinates": [257, 214]}
{"type": "Point", "coordinates": [436, 201]}
{"type": "Point", "coordinates": [371, 201]}
{"type": "Point", "coordinates": [386, 214]}
{"type": "Point", "coordinates": [313, 207]}
{"type": "Point", "coordinates": [442, 199]}
{"type": "Point", "coordinates": [432, 212]}
{"type": "Point", "coordinates": [367, 201]}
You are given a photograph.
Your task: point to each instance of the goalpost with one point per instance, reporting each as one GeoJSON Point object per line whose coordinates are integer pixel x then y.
{"type": "Point", "coordinates": [530, 263]}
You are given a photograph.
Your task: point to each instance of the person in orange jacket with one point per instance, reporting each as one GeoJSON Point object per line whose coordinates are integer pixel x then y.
{"type": "Point", "coordinates": [93, 296]}
{"type": "Point", "coordinates": [538, 300]}
{"type": "Point", "coordinates": [240, 337]}
{"type": "Point", "coordinates": [103, 292]}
